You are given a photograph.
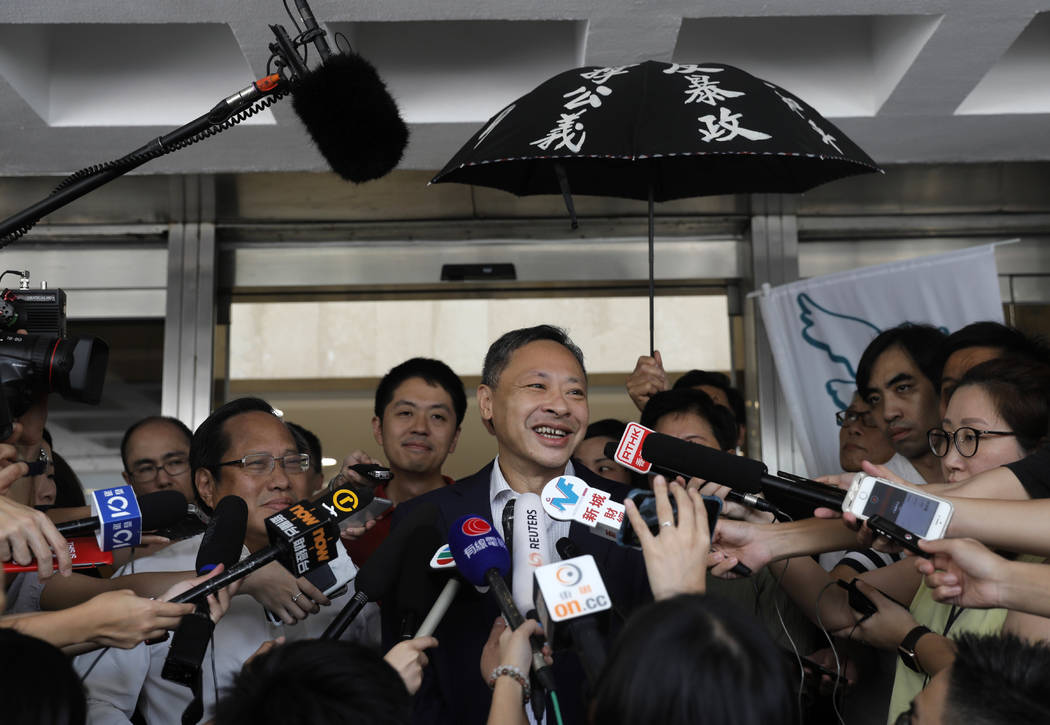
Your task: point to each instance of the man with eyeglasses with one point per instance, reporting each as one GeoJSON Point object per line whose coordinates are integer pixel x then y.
{"type": "Point", "coordinates": [860, 437]}
{"type": "Point", "coordinates": [242, 449]}
{"type": "Point", "coordinates": [156, 456]}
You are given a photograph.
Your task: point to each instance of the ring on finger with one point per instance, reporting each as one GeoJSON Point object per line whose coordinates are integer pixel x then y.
{"type": "Point", "coordinates": [296, 597]}
{"type": "Point", "coordinates": [665, 523]}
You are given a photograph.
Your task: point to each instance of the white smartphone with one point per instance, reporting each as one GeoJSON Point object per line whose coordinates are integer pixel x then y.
{"type": "Point", "coordinates": [924, 515]}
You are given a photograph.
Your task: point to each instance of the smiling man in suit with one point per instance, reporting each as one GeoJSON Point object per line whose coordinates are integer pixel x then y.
{"type": "Point", "coordinates": [533, 399]}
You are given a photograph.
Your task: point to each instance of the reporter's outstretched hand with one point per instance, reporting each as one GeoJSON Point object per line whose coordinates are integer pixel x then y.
{"type": "Point", "coordinates": [883, 630]}
{"type": "Point", "coordinates": [409, 658]}
{"type": "Point", "coordinates": [963, 572]}
{"type": "Point", "coordinates": [289, 598]}
{"type": "Point", "coordinates": [739, 542]}
{"type": "Point", "coordinates": [676, 558]}
{"type": "Point", "coordinates": [123, 619]}
{"type": "Point", "coordinates": [25, 533]}
{"type": "Point", "coordinates": [218, 603]}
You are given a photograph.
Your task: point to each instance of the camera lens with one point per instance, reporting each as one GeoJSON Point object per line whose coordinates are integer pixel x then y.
{"type": "Point", "coordinates": [31, 365]}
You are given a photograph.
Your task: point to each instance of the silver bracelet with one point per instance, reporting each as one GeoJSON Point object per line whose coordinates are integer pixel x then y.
{"type": "Point", "coordinates": [516, 674]}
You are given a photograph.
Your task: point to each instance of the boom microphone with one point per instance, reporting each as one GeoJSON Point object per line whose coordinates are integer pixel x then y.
{"type": "Point", "coordinates": [351, 117]}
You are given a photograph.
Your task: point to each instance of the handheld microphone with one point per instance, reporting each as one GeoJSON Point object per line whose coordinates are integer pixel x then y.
{"type": "Point", "coordinates": [443, 559]}
{"type": "Point", "coordinates": [303, 537]}
{"type": "Point", "coordinates": [572, 592]}
{"type": "Point", "coordinates": [744, 499]}
{"type": "Point", "coordinates": [377, 576]}
{"type": "Point", "coordinates": [120, 518]}
{"type": "Point", "coordinates": [222, 543]}
{"type": "Point", "coordinates": [483, 560]}
{"type": "Point", "coordinates": [531, 548]}
{"type": "Point", "coordinates": [416, 589]}
{"type": "Point", "coordinates": [508, 525]}
{"type": "Point", "coordinates": [641, 448]}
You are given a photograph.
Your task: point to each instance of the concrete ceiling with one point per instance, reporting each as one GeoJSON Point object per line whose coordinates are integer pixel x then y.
{"type": "Point", "coordinates": [938, 81]}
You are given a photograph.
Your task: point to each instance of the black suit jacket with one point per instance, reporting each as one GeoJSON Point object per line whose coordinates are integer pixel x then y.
{"type": "Point", "coordinates": [453, 691]}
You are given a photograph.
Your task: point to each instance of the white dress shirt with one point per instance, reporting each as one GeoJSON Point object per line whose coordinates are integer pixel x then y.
{"type": "Point", "coordinates": [500, 493]}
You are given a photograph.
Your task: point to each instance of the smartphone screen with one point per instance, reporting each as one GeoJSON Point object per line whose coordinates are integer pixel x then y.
{"type": "Point", "coordinates": [906, 509]}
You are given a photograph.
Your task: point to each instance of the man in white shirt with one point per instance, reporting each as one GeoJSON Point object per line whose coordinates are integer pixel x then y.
{"type": "Point", "coordinates": [899, 376]}
{"type": "Point", "coordinates": [244, 450]}
{"type": "Point", "coordinates": [533, 399]}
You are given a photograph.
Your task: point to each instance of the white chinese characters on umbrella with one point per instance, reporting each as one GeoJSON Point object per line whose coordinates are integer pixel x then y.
{"type": "Point", "coordinates": [795, 106]}
{"type": "Point", "coordinates": [726, 127]}
{"type": "Point", "coordinates": [704, 90]}
{"type": "Point", "coordinates": [569, 132]}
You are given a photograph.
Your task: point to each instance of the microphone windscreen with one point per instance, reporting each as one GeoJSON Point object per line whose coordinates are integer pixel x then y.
{"type": "Point", "coordinates": [351, 117]}
{"type": "Point", "coordinates": [710, 464]}
{"type": "Point", "coordinates": [417, 587]}
{"type": "Point", "coordinates": [377, 576]}
{"type": "Point", "coordinates": [476, 547]}
{"type": "Point", "coordinates": [223, 540]}
{"type": "Point", "coordinates": [567, 548]}
{"type": "Point", "coordinates": [161, 509]}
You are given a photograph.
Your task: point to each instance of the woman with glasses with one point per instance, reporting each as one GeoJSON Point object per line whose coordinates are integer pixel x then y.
{"type": "Point", "coordinates": [998, 414]}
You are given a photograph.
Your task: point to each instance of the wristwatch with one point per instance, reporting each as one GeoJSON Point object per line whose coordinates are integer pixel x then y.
{"type": "Point", "coordinates": [906, 649]}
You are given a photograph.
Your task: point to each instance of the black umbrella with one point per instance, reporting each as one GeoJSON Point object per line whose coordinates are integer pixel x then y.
{"type": "Point", "coordinates": [656, 131]}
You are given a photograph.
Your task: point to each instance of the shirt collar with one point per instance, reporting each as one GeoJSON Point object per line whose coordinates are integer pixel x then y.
{"type": "Point", "coordinates": [500, 490]}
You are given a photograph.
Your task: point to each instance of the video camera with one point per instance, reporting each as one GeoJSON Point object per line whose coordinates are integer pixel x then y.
{"type": "Point", "coordinates": [43, 360]}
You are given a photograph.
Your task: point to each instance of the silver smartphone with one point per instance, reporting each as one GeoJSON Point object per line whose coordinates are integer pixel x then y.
{"type": "Point", "coordinates": [920, 513]}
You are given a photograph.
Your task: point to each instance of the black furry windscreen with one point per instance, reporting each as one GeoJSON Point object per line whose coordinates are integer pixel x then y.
{"type": "Point", "coordinates": [351, 117]}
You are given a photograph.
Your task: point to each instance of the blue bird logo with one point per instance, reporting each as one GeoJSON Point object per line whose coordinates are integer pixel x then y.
{"type": "Point", "coordinates": [822, 329]}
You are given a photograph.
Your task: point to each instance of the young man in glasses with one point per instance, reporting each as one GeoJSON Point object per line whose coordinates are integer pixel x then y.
{"type": "Point", "coordinates": [242, 450]}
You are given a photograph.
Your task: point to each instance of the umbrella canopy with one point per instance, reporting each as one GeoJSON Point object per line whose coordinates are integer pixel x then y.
{"type": "Point", "coordinates": [681, 130]}
{"type": "Point", "coordinates": [656, 131]}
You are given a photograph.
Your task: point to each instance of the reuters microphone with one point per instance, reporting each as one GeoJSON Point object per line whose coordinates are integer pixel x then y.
{"type": "Point", "coordinates": [531, 549]}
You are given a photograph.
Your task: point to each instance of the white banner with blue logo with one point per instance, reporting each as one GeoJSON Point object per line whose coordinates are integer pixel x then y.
{"type": "Point", "coordinates": [818, 328]}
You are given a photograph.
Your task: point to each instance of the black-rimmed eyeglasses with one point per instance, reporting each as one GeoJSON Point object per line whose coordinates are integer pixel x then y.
{"type": "Point", "coordinates": [966, 440]}
{"type": "Point", "coordinates": [844, 417]}
{"type": "Point", "coordinates": [148, 472]}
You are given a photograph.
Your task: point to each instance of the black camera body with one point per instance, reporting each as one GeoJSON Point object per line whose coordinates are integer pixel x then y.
{"type": "Point", "coordinates": [38, 312]}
